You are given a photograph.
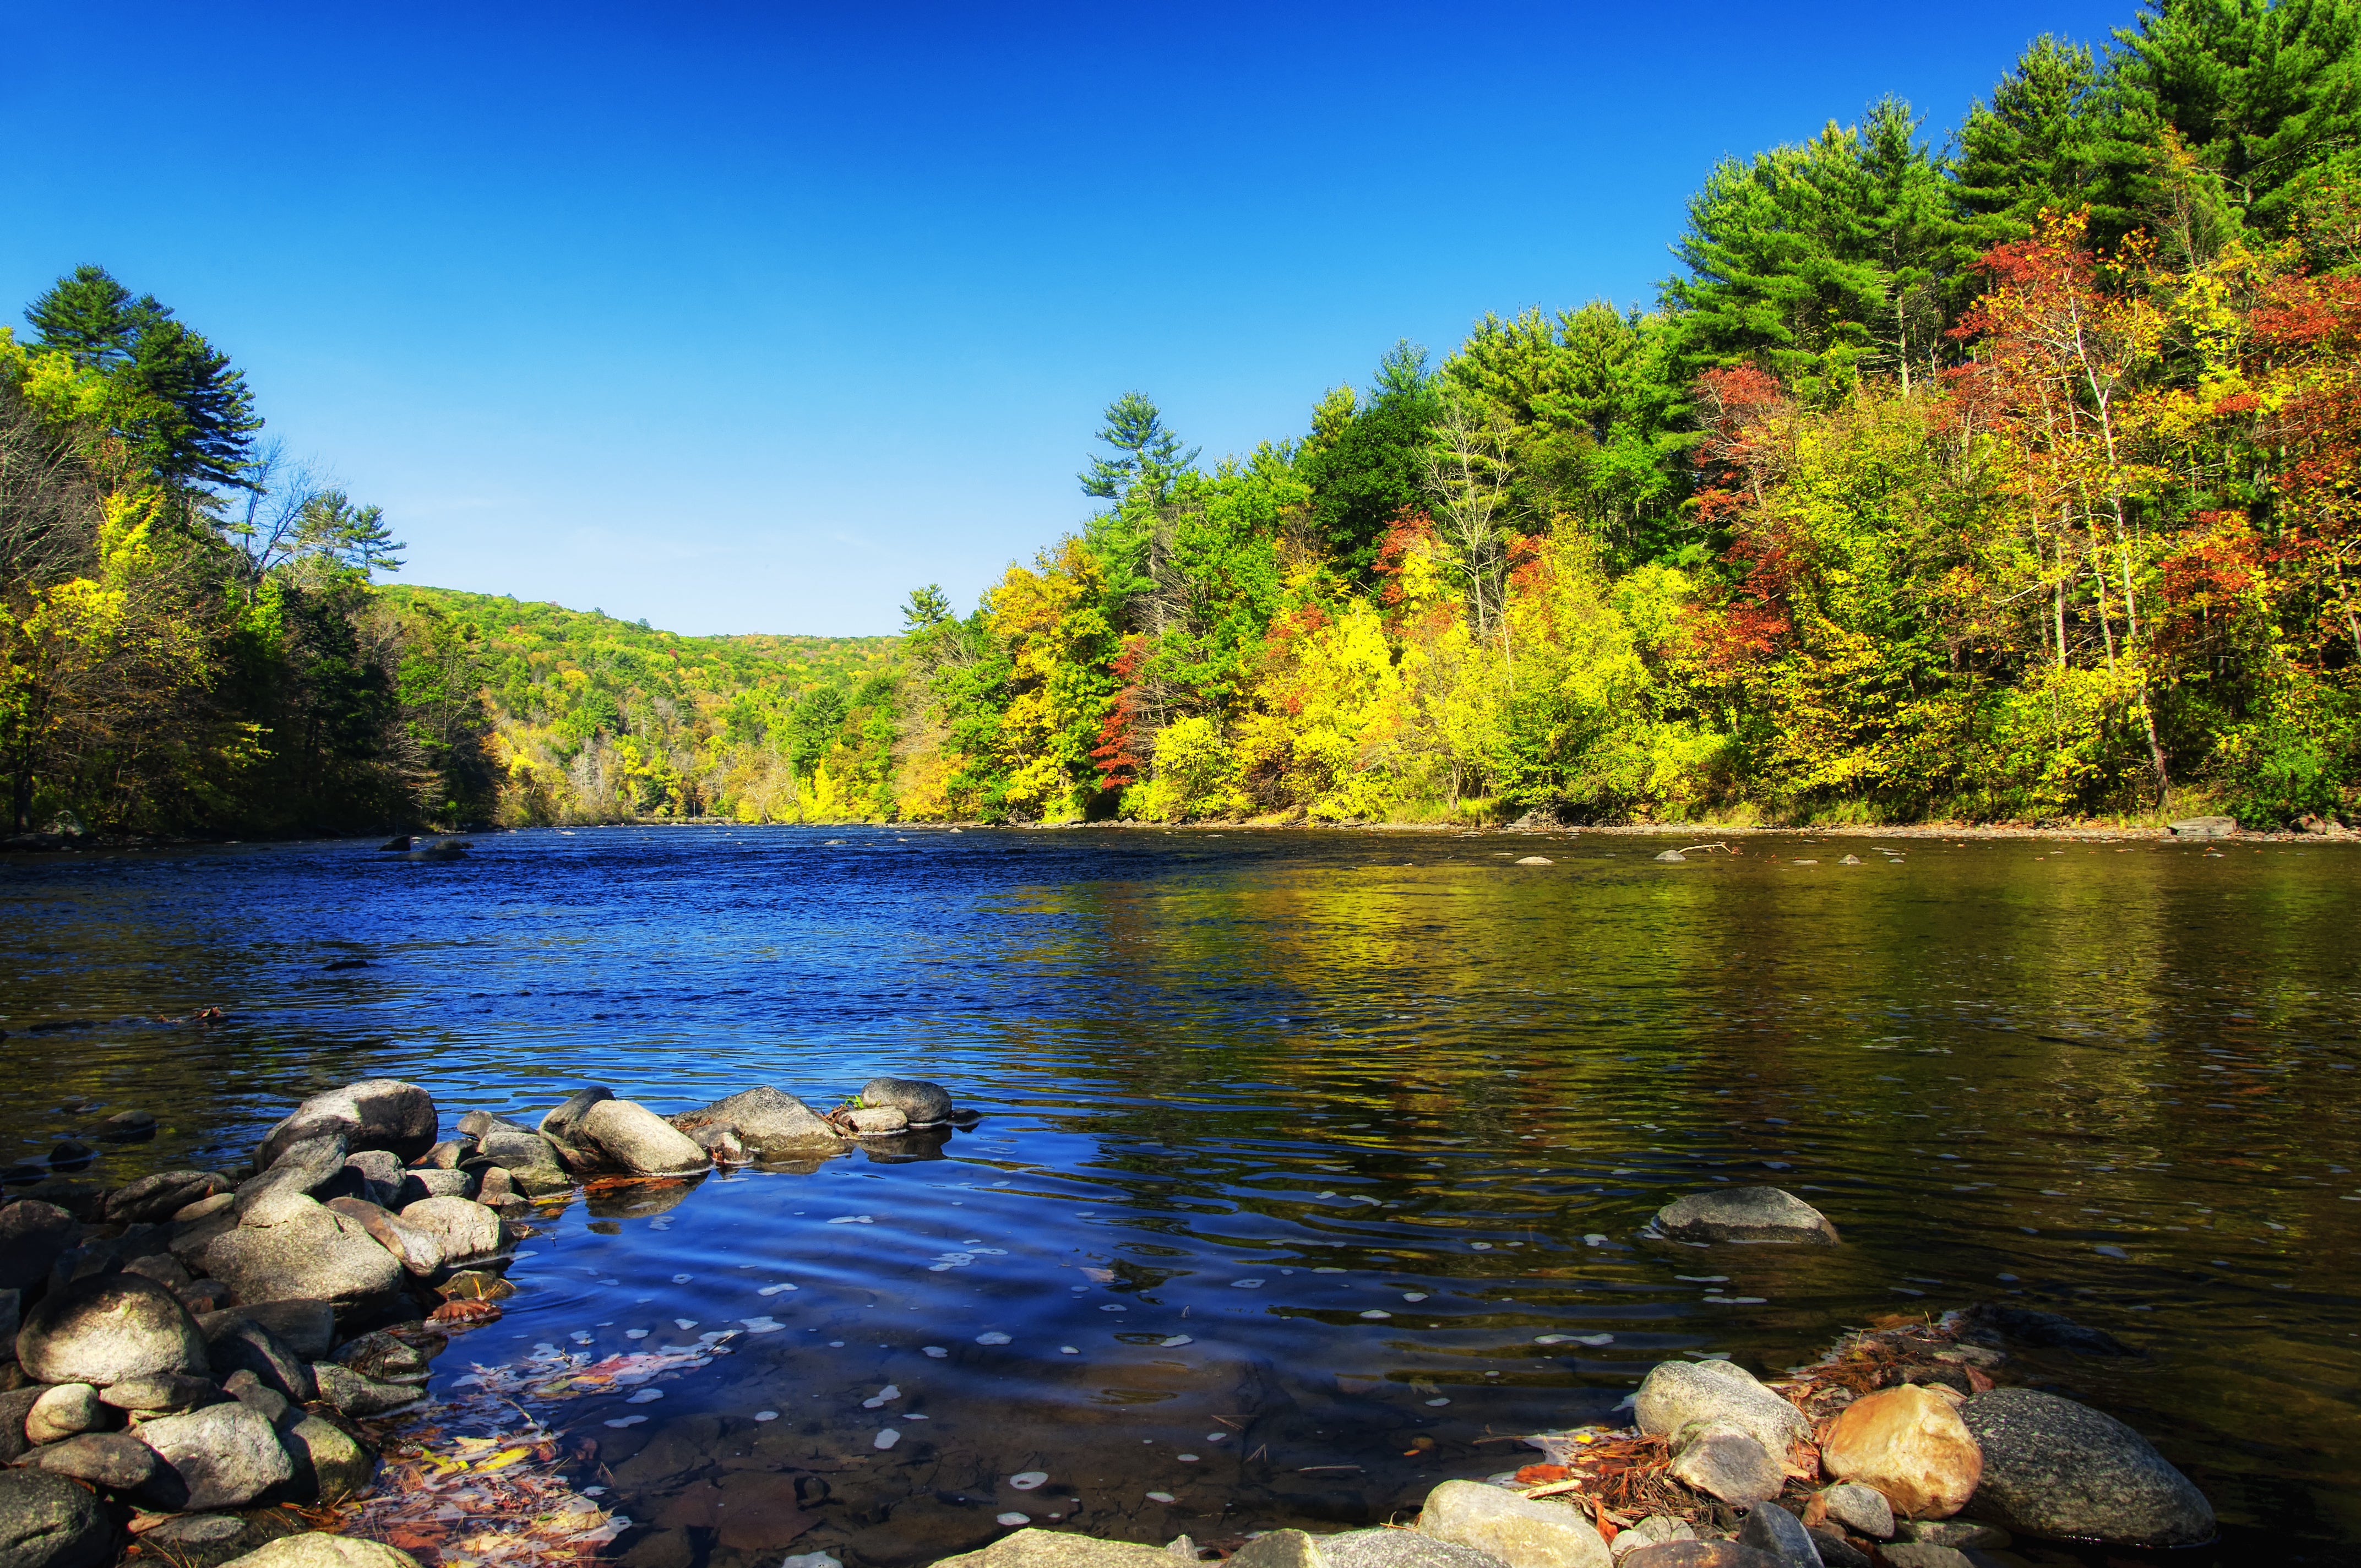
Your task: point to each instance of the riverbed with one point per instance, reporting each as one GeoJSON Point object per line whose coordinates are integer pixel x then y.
{"type": "Point", "coordinates": [1312, 1163]}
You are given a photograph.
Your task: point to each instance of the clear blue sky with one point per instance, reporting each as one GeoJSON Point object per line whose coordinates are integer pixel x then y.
{"type": "Point", "coordinates": [751, 318]}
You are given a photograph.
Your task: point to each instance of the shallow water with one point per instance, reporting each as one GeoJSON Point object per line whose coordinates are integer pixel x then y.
{"type": "Point", "coordinates": [1299, 1140]}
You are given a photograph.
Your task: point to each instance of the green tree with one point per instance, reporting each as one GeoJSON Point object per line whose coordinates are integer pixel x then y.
{"type": "Point", "coordinates": [2031, 147]}
{"type": "Point", "coordinates": [1372, 468]}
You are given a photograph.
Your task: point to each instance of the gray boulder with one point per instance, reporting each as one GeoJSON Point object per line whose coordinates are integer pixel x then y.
{"type": "Point", "coordinates": [1698, 1553]}
{"type": "Point", "coordinates": [765, 1119]}
{"type": "Point", "coordinates": [32, 1235]}
{"type": "Point", "coordinates": [161, 1196]}
{"type": "Point", "coordinates": [376, 1113]}
{"type": "Point", "coordinates": [419, 1251]}
{"type": "Point", "coordinates": [350, 1394]}
{"type": "Point", "coordinates": [429, 1182]}
{"type": "Point", "coordinates": [196, 1529]}
{"type": "Point", "coordinates": [304, 1325]}
{"type": "Point", "coordinates": [530, 1161]}
{"type": "Point", "coordinates": [2055, 1468]}
{"type": "Point", "coordinates": [379, 1171]}
{"type": "Point", "coordinates": [2205, 827]}
{"type": "Point", "coordinates": [1399, 1548]}
{"type": "Point", "coordinates": [924, 1104]}
{"type": "Point", "coordinates": [558, 1126]}
{"type": "Point", "coordinates": [621, 1139]}
{"type": "Point", "coordinates": [390, 1357]}
{"type": "Point", "coordinates": [330, 1464]}
{"type": "Point", "coordinates": [1524, 1532]}
{"type": "Point", "coordinates": [161, 1391]}
{"type": "Point", "coordinates": [462, 1231]}
{"type": "Point", "coordinates": [309, 1252]}
{"type": "Point", "coordinates": [303, 1168]}
{"type": "Point", "coordinates": [1773, 1531]}
{"type": "Point", "coordinates": [15, 1405]}
{"type": "Point", "coordinates": [1679, 1392]}
{"type": "Point", "coordinates": [1862, 1509]}
{"type": "Point", "coordinates": [1723, 1459]}
{"type": "Point", "coordinates": [116, 1460]}
{"type": "Point", "coordinates": [66, 1411]}
{"type": "Point", "coordinates": [1744, 1215]}
{"type": "Point", "coordinates": [1036, 1548]}
{"type": "Point", "coordinates": [103, 1329]}
{"type": "Point", "coordinates": [48, 1521]}
{"type": "Point", "coordinates": [222, 1457]}
{"type": "Point", "coordinates": [318, 1549]}
{"type": "Point", "coordinates": [879, 1121]}
{"type": "Point", "coordinates": [235, 1343]}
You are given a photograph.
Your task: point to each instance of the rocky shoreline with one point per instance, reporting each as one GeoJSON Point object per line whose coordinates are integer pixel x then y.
{"type": "Point", "coordinates": [203, 1360]}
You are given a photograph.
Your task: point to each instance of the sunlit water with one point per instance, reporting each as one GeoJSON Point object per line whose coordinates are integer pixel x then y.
{"type": "Point", "coordinates": [1299, 1141]}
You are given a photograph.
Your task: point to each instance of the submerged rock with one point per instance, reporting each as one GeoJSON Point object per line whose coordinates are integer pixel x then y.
{"type": "Point", "coordinates": [2053, 1467]}
{"type": "Point", "coordinates": [1744, 1215]}
{"type": "Point", "coordinates": [106, 1328]}
{"type": "Point", "coordinates": [1910, 1446]}
{"type": "Point", "coordinates": [923, 1102]}
{"type": "Point", "coordinates": [1522, 1532]}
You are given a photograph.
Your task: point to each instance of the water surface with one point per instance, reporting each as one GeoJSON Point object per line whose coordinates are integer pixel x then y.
{"type": "Point", "coordinates": [1294, 1143]}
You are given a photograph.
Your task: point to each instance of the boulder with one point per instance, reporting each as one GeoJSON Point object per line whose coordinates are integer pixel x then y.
{"type": "Point", "coordinates": [310, 1252]}
{"type": "Point", "coordinates": [1837, 1551]}
{"type": "Point", "coordinates": [1035, 1547]}
{"type": "Point", "coordinates": [162, 1195]}
{"type": "Point", "coordinates": [318, 1549]}
{"type": "Point", "coordinates": [530, 1161]}
{"type": "Point", "coordinates": [302, 1169]}
{"type": "Point", "coordinates": [103, 1329]}
{"type": "Point", "coordinates": [879, 1121]}
{"type": "Point", "coordinates": [1744, 1215]}
{"type": "Point", "coordinates": [446, 1155]}
{"type": "Point", "coordinates": [618, 1138]}
{"type": "Point", "coordinates": [116, 1460]}
{"type": "Point", "coordinates": [161, 1391]}
{"type": "Point", "coordinates": [390, 1357]}
{"type": "Point", "coordinates": [1699, 1553]}
{"type": "Point", "coordinates": [248, 1390]}
{"type": "Point", "coordinates": [204, 1206]}
{"type": "Point", "coordinates": [1277, 1548]}
{"type": "Point", "coordinates": [429, 1182]}
{"type": "Point", "coordinates": [236, 1343]}
{"type": "Point", "coordinates": [924, 1104]}
{"type": "Point", "coordinates": [48, 1521]}
{"type": "Point", "coordinates": [1524, 1532]}
{"type": "Point", "coordinates": [350, 1394]}
{"type": "Point", "coordinates": [68, 1409]}
{"type": "Point", "coordinates": [419, 1251]}
{"type": "Point", "coordinates": [558, 1124]}
{"type": "Point", "coordinates": [463, 1231]}
{"type": "Point", "coordinates": [32, 1234]}
{"type": "Point", "coordinates": [1726, 1460]}
{"type": "Point", "coordinates": [2055, 1468]}
{"type": "Point", "coordinates": [1678, 1392]}
{"type": "Point", "coordinates": [195, 1529]}
{"type": "Point", "coordinates": [2205, 827]}
{"type": "Point", "coordinates": [378, 1113]}
{"type": "Point", "coordinates": [1961, 1535]}
{"type": "Point", "coordinates": [1909, 1444]}
{"type": "Point", "coordinates": [330, 1462]}
{"type": "Point", "coordinates": [764, 1119]}
{"type": "Point", "coordinates": [1861, 1509]}
{"type": "Point", "coordinates": [304, 1325]}
{"type": "Point", "coordinates": [163, 1269]}
{"type": "Point", "coordinates": [1399, 1548]}
{"type": "Point", "coordinates": [1780, 1535]}
{"type": "Point", "coordinates": [222, 1457]}
{"type": "Point", "coordinates": [380, 1171]}
{"type": "Point", "coordinates": [15, 1405]}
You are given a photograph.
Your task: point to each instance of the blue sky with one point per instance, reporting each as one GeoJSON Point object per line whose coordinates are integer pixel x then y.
{"type": "Point", "coordinates": [753, 318]}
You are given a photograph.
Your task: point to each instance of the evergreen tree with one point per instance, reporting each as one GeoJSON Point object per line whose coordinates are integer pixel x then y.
{"type": "Point", "coordinates": [1370, 468]}
{"type": "Point", "coordinates": [2031, 147]}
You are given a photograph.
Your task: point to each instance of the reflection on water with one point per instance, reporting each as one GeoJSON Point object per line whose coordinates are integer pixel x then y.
{"type": "Point", "coordinates": [1296, 1145]}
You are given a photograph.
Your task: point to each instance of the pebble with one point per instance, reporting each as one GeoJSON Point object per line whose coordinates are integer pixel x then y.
{"type": "Point", "coordinates": [995, 1337]}
{"type": "Point", "coordinates": [766, 1415]}
{"type": "Point", "coordinates": [885, 1439]}
{"type": "Point", "coordinates": [1162, 1497]}
{"type": "Point", "coordinates": [1068, 1350]}
{"type": "Point", "coordinates": [627, 1420]}
{"type": "Point", "coordinates": [1413, 1294]}
{"type": "Point", "coordinates": [1015, 1519]}
{"type": "Point", "coordinates": [935, 1350]}
{"type": "Point", "coordinates": [1186, 1458]}
{"type": "Point", "coordinates": [685, 1324]}
{"type": "Point", "coordinates": [1377, 1312]}
{"type": "Point", "coordinates": [1026, 1480]}
{"type": "Point", "coordinates": [1438, 1401]}
{"type": "Point", "coordinates": [1177, 1340]}
{"type": "Point", "coordinates": [1245, 1284]}
{"type": "Point", "coordinates": [682, 1278]}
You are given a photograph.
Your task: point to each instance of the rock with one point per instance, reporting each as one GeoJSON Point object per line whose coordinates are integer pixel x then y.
{"type": "Point", "coordinates": [477, 1124]}
{"type": "Point", "coordinates": [376, 1113]}
{"type": "Point", "coordinates": [1850, 860]}
{"type": "Point", "coordinates": [218, 1457]}
{"type": "Point", "coordinates": [463, 1231]}
{"type": "Point", "coordinates": [721, 1143]}
{"type": "Point", "coordinates": [1679, 1392]}
{"type": "Point", "coordinates": [1861, 1509]}
{"type": "Point", "coordinates": [475, 1285]}
{"type": "Point", "coordinates": [1778, 1534]}
{"type": "Point", "coordinates": [924, 1104]}
{"type": "Point", "coordinates": [1915, 1556]}
{"type": "Point", "coordinates": [2205, 827]}
{"type": "Point", "coordinates": [1275, 1548]}
{"type": "Point", "coordinates": [1399, 1548]}
{"type": "Point", "coordinates": [318, 1549]}
{"type": "Point", "coordinates": [1522, 1532]}
{"type": "Point", "coordinates": [163, 1269]}
{"type": "Point", "coordinates": [419, 1251]}
{"type": "Point", "coordinates": [248, 1390]}
{"type": "Point", "coordinates": [446, 1155]}
{"type": "Point", "coordinates": [1654, 1530]}
{"type": "Point", "coordinates": [388, 1357]}
{"type": "Point", "coordinates": [330, 1462]}
{"type": "Point", "coordinates": [305, 1326]}
{"type": "Point", "coordinates": [621, 1139]}
{"type": "Point", "coordinates": [116, 1460]}
{"type": "Point", "coordinates": [350, 1394]}
{"type": "Point", "coordinates": [2045, 1331]}
{"type": "Point", "coordinates": [162, 1195]}
{"type": "Point", "coordinates": [126, 1126]}
{"type": "Point", "coordinates": [1035, 1547]}
{"type": "Point", "coordinates": [112, 1326]}
{"type": "Point", "coordinates": [15, 1405]}
{"type": "Point", "coordinates": [381, 1170]}
{"type": "Point", "coordinates": [879, 1122]}
{"type": "Point", "coordinates": [2055, 1468]}
{"type": "Point", "coordinates": [766, 1118]}
{"type": "Point", "coordinates": [312, 1253]}
{"type": "Point", "coordinates": [1909, 1444]}
{"type": "Point", "coordinates": [1674, 858]}
{"type": "Point", "coordinates": [48, 1521]}
{"type": "Point", "coordinates": [68, 1409]}
{"type": "Point", "coordinates": [1699, 1553]}
{"type": "Point", "coordinates": [1836, 1552]}
{"type": "Point", "coordinates": [530, 1161]}
{"type": "Point", "coordinates": [236, 1343]}
{"type": "Point", "coordinates": [32, 1234]}
{"type": "Point", "coordinates": [11, 1319]}
{"type": "Point", "coordinates": [1724, 1460]}
{"type": "Point", "coordinates": [1961, 1535]}
{"type": "Point", "coordinates": [204, 1206]}
{"type": "Point", "coordinates": [302, 1169]}
{"type": "Point", "coordinates": [558, 1124]}
{"type": "Point", "coordinates": [1744, 1215]}
{"type": "Point", "coordinates": [196, 1529]}
{"type": "Point", "coordinates": [161, 1391]}
{"type": "Point", "coordinates": [419, 1185]}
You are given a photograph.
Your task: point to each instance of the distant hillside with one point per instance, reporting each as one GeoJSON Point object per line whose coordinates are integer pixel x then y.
{"type": "Point", "coordinates": [597, 718]}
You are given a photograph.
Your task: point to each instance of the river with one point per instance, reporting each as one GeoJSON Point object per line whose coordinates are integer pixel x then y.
{"type": "Point", "coordinates": [1294, 1143]}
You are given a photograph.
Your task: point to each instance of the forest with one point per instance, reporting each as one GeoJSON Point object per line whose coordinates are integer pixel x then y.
{"type": "Point", "coordinates": [2012, 476]}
